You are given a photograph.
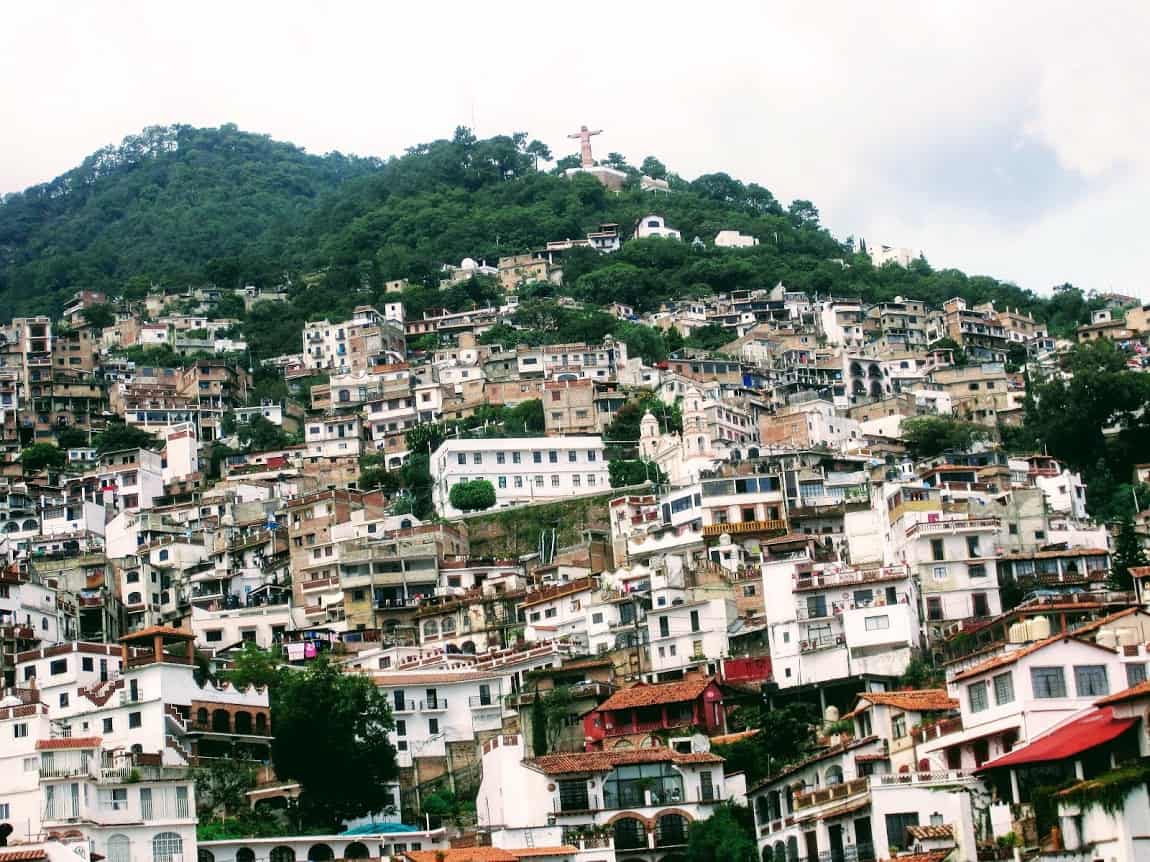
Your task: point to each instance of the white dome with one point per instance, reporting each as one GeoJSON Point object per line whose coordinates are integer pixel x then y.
{"type": "Point", "coordinates": [469, 263]}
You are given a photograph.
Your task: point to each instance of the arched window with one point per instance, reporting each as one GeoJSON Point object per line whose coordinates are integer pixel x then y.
{"type": "Point", "coordinates": [261, 724]}
{"type": "Point", "coordinates": [167, 847]}
{"type": "Point", "coordinates": [135, 599]}
{"type": "Point", "coordinates": [430, 629]}
{"type": "Point", "coordinates": [320, 853]}
{"type": "Point", "coordinates": [767, 854]}
{"type": "Point", "coordinates": [282, 854]}
{"type": "Point", "coordinates": [780, 852]}
{"type": "Point", "coordinates": [245, 854]}
{"type": "Point", "coordinates": [355, 850]}
{"type": "Point", "coordinates": [202, 715]}
{"type": "Point", "coordinates": [761, 814]}
{"type": "Point", "coordinates": [792, 849]}
{"type": "Point", "coordinates": [203, 855]}
{"type": "Point", "coordinates": [670, 830]}
{"type": "Point", "coordinates": [630, 834]}
{"type": "Point", "coordinates": [221, 721]}
{"type": "Point", "coordinates": [447, 627]}
{"type": "Point", "coordinates": [243, 720]}
{"type": "Point", "coordinates": [30, 524]}
{"type": "Point", "coordinates": [119, 848]}
{"type": "Point", "coordinates": [469, 647]}
{"type": "Point", "coordinates": [833, 776]}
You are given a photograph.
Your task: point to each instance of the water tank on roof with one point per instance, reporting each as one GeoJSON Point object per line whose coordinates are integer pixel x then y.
{"type": "Point", "coordinates": [1018, 633]}
{"type": "Point", "coordinates": [1107, 638]}
{"type": "Point", "coordinates": [1039, 628]}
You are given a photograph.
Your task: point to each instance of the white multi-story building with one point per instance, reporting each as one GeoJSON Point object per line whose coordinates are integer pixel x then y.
{"type": "Point", "coordinates": [521, 469]}
{"type": "Point", "coordinates": [337, 436]}
{"type": "Point", "coordinates": [102, 746]}
{"type": "Point", "coordinates": [688, 633]}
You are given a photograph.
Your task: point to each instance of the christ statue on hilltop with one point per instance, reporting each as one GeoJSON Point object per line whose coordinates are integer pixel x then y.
{"type": "Point", "coordinates": [584, 138]}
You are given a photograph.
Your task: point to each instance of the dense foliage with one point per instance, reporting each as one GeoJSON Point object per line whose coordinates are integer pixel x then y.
{"type": "Point", "coordinates": [473, 496]}
{"type": "Point", "coordinates": [728, 835]}
{"type": "Point", "coordinates": [785, 736]}
{"type": "Point", "coordinates": [178, 206]}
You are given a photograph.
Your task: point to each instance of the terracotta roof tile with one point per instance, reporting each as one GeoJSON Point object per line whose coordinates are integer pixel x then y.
{"type": "Point", "coordinates": [462, 854]}
{"type": "Point", "coordinates": [932, 856]}
{"type": "Point", "coordinates": [166, 631]}
{"type": "Point", "coordinates": [1012, 657]}
{"type": "Point", "coordinates": [1142, 689]}
{"type": "Point", "coordinates": [603, 761]}
{"type": "Point", "coordinates": [527, 852]}
{"type": "Point", "coordinates": [22, 855]}
{"type": "Point", "coordinates": [425, 677]}
{"type": "Point", "coordinates": [653, 695]}
{"type": "Point", "coordinates": [931, 833]}
{"type": "Point", "coordinates": [916, 700]}
{"type": "Point", "coordinates": [68, 742]}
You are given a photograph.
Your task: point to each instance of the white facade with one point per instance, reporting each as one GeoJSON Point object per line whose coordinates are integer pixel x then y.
{"type": "Point", "coordinates": [655, 226]}
{"type": "Point", "coordinates": [521, 469]}
{"type": "Point", "coordinates": [334, 436]}
{"type": "Point", "coordinates": [734, 239]}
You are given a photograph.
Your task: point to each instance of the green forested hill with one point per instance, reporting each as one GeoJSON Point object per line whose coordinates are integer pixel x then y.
{"type": "Point", "coordinates": [182, 205]}
{"type": "Point", "coordinates": [162, 206]}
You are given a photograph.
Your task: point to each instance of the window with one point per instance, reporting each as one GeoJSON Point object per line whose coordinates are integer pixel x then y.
{"type": "Point", "coordinates": [1003, 689]}
{"type": "Point", "coordinates": [554, 481]}
{"type": "Point", "coordinates": [537, 457]}
{"type": "Point", "coordinates": [516, 457]}
{"type": "Point", "coordinates": [119, 848]}
{"type": "Point", "coordinates": [978, 570]}
{"type": "Point", "coordinates": [597, 618]}
{"type": "Point", "coordinates": [108, 725]}
{"type": "Point", "coordinates": [553, 457]}
{"type": "Point", "coordinates": [939, 573]}
{"type": "Point", "coordinates": [550, 613]}
{"type": "Point", "coordinates": [898, 725]}
{"type": "Point", "coordinates": [874, 624]}
{"type": "Point", "coordinates": [538, 481]}
{"type": "Point", "coordinates": [571, 456]}
{"type": "Point", "coordinates": [63, 698]}
{"type": "Point", "coordinates": [401, 727]}
{"type": "Point", "coordinates": [433, 725]}
{"type": "Point", "coordinates": [58, 666]}
{"type": "Point", "coordinates": [937, 549]}
{"type": "Point", "coordinates": [591, 480]}
{"type": "Point", "coordinates": [518, 481]}
{"type": "Point", "coordinates": [86, 663]}
{"type": "Point", "coordinates": [694, 621]}
{"type": "Point", "coordinates": [135, 719]}
{"type": "Point", "coordinates": [591, 455]}
{"type": "Point", "coordinates": [573, 795]}
{"type": "Point", "coordinates": [980, 604]}
{"type": "Point", "coordinates": [664, 627]}
{"type": "Point", "coordinates": [1090, 680]}
{"type": "Point", "coordinates": [976, 696]}
{"type": "Point", "coordinates": [1048, 682]}
{"type": "Point", "coordinates": [896, 829]}
{"type": "Point", "coordinates": [1135, 673]}
{"type": "Point", "coordinates": [20, 731]}
{"type": "Point", "coordinates": [214, 635]}
{"type": "Point", "coordinates": [461, 458]}
{"type": "Point", "coordinates": [576, 480]}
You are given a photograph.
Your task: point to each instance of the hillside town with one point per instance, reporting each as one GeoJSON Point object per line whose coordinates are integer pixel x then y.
{"type": "Point", "coordinates": [585, 583]}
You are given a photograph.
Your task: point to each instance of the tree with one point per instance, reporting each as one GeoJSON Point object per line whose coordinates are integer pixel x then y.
{"type": "Point", "coordinates": [728, 835]}
{"type": "Point", "coordinates": [260, 434]}
{"type": "Point", "coordinates": [539, 151]}
{"type": "Point", "coordinates": [556, 712]}
{"type": "Point", "coordinates": [653, 168]}
{"type": "Point", "coordinates": [1128, 554]}
{"type": "Point", "coordinates": [118, 436]}
{"type": "Point", "coordinates": [98, 316]}
{"type": "Point", "coordinates": [222, 785]}
{"type": "Point", "coordinates": [634, 472]}
{"type": "Point", "coordinates": [538, 726]}
{"type": "Point", "coordinates": [617, 161]}
{"type": "Point", "coordinates": [254, 666]}
{"type": "Point", "coordinates": [710, 337]}
{"type": "Point", "coordinates": [71, 437]}
{"type": "Point", "coordinates": [330, 734]}
{"type": "Point", "coordinates": [42, 456]}
{"type": "Point", "coordinates": [927, 436]}
{"type": "Point", "coordinates": [473, 496]}
{"type": "Point", "coordinates": [527, 415]}
{"type": "Point", "coordinates": [785, 736]}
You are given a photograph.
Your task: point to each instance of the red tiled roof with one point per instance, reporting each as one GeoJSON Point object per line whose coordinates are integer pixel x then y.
{"type": "Point", "coordinates": [931, 832]}
{"type": "Point", "coordinates": [932, 856]}
{"type": "Point", "coordinates": [22, 855]}
{"type": "Point", "coordinates": [462, 854]}
{"type": "Point", "coordinates": [653, 695]}
{"type": "Point", "coordinates": [916, 700]}
{"type": "Point", "coordinates": [1012, 657]}
{"type": "Point", "coordinates": [68, 742]}
{"type": "Point", "coordinates": [728, 738]}
{"type": "Point", "coordinates": [166, 631]}
{"type": "Point", "coordinates": [1091, 730]}
{"type": "Point", "coordinates": [527, 852]}
{"type": "Point", "coordinates": [1142, 689]}
{"type": "Point", "coordinates": [603, 761]}
{"type": "Point", "coordinates": [413, 677]}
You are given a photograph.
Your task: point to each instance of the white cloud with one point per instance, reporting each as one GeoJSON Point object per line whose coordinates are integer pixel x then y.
{"type": "Point", "coordinates": [879, 113]}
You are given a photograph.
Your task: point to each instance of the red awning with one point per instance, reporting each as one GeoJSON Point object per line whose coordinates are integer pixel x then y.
{"type": "Point", "coordinates": [1084, 733]}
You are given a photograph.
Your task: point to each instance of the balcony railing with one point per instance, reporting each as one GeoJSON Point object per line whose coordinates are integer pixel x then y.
{"type": "Point", "coordinates": [439, 704]}
{"type": "Point", "coordinates": [769, 526]}
{"type": "Point", "coordinates": [936, 730]}
{"type": "Point", "coordinates": [830, 794]}
{"type": "Point", "coordinates": [842, 579]}
{"type": "Point", "coordinates": [478, 701]}
{"type": "Point", "coordinates": [820, 643]}
{"type": "Point", "coordinates": [954, 525]}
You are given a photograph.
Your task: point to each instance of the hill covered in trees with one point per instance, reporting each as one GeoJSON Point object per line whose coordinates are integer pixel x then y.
{"type": "Point", "coordinates": [179, 205]}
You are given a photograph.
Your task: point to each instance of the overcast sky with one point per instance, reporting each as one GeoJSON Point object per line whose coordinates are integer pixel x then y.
{"type": "Point", "coordinates": [1010, 139]}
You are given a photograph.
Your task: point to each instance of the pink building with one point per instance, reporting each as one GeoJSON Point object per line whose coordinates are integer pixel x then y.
{"type": "Point", "coordinates": [629, 717]}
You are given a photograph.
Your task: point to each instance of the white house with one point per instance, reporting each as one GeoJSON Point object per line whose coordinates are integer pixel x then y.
{"type": "Point", "coordinates": [521, 469]}
{"type": "Point", "coordinates": [734, 239]}
{"type": "Point", "coordinates": [655, 226]}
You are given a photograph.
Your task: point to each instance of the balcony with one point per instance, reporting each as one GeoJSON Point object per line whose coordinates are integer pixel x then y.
{"type": "Point", "coordinates": [936, 730]}
{"type": "Point", "coordinates": [319, 584]}
{"type": "Point", "coordinates": [821, 643]}
{"type": "Point", "coordinates": [950, 527]}
{"type": "Point", "coordinates": [403, 707]}
{"type": "Point", "coordinates": [437, 705]}
{"type": "Point", "coordinates": [835, 792]}
{"type": "Point", "coordinates": [851, 578]}
{"type": "Point", "coordinates": [479, 702]}
{"type": "Point", "coordinates": [743, 527]}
